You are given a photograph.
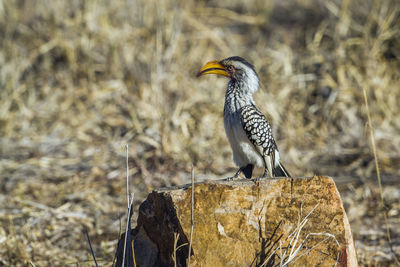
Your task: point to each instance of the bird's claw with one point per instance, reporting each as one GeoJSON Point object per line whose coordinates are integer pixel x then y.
{"type": "Point", "coordinates": [232, 177]}
{"type": "Point", "coordinates": [257, 180]}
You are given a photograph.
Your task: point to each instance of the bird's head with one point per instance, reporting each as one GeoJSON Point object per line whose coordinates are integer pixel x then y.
{"type": "Point", "coordinates": [237, 69]}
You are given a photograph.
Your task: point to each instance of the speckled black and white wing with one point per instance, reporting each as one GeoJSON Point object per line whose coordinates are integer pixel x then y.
{"type": "Point", "coordinates": [258, 130]}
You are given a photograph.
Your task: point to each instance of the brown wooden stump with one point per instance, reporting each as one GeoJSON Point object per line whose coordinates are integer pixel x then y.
{"type": "Point", "coordinates": [240, 223]}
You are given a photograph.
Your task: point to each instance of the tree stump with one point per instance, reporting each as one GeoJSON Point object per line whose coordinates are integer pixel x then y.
{"type": "Point", "coordinates": [299, 221]}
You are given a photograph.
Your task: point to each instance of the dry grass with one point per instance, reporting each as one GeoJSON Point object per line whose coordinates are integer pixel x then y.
{"type": "Point", "coordinates": [80, 79]}
{"type": "Point", "coordinates": [293, 247]}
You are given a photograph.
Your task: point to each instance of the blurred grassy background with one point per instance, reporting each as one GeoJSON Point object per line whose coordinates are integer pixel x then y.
{"type": "Point", "coordinates": [80, 79]}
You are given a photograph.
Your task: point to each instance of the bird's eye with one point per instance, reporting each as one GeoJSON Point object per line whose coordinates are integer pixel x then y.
{"type": "Point", "coordinates": [230, 68]}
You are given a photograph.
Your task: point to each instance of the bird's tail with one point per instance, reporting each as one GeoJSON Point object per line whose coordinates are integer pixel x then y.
{"type": "Point", "coordinates": [280, 171]}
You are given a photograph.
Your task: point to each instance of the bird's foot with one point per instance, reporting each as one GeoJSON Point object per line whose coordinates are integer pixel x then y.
{"type": "Point", "coordinates": [257, 180]}
{"type": "Point", "coordinates": [233, 177]}
{"type": "Point", "coordinates": [228, 179]}
{"type": "Point", "coordinates": [246, 170]}
{"type": "Point", "coordinates": [236, 176]}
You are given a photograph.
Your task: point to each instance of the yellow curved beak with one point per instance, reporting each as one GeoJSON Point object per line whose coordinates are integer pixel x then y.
{"type": "Point", "coordinates": [213, 67]}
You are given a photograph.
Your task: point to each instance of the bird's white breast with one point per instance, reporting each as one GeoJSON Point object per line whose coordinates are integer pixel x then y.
{"type": "Point", "coordinates": [243, 150]}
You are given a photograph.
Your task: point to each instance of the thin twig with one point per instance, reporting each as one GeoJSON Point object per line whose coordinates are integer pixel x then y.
{"type": "Point", "coordinates": [328, 235]}
{"type": "Point", "coordinates": [292, 258]}
{"type": "Point", "coordinates": [91, 249]}
{"type": "Point", "coordinates": [300, 227]}
{"type": "Point", "coordinates": [273, 253]}
{"type": "Point", "coordinates": [133, 254]}
{"type": "Point", "coordinates": [176, 237]}
{"type": "Point", "coordinates": [191, 218]}
{"type": "Point", "coordinates": [127, 175]}
{"type": "Point", "coordinates": [119, 235]}
{"type": "Point", "coordinates": [291, 236]}
{"type": "Point", "coordinates": [378, 175]}
{"type": "Point", "coordinates": [126, 229]}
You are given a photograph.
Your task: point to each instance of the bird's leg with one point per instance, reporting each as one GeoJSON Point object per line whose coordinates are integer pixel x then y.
{"type": "Point", "coordinates": [247, 171]}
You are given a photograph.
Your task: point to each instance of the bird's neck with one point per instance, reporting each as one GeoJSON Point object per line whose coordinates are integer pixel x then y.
{"type": "Point", "coordinates": [237, 96]}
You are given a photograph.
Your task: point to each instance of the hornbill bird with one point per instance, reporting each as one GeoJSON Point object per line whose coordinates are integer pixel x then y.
{"type": "Point", "coordinates": [248, 131]}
